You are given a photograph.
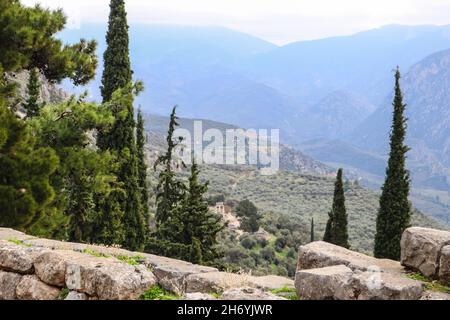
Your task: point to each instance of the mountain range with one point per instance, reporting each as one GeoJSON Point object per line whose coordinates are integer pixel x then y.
{"type": "Point", "coordinates": [331, 98]}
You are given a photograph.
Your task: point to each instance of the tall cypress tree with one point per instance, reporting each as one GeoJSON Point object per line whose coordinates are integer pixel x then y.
{"type": "Point", "coordinates": [142, 166]}
{"type": "Point", "coordinates": [121, 138]}
{"type": "Point", "coordinates": [336, 231]}
{"type": "Point", "coordinates": [395, 210]}
{"type": "Point", "coordinates": [117, 66]}
{"type": "Point", "coordinates": [312, 230]}
{"type": "Point", "coordinates": [32, 105]}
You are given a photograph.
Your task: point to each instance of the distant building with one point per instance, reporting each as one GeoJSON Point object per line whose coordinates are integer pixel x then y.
{"type": "Point", "coordinates": [220, 208]}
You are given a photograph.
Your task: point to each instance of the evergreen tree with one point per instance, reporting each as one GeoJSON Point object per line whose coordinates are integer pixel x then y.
{"type": "Point", "coordinates": [169, 191]}
{"type": "Point", "coordinates": [117, 67]}
{"type": "Point", "coordinates": [32, 105]}
{"type": "Point", "coordinates": [337, 230]}
{"type": "Point", "coordinates": [395, 210]}
{"type": "Point", "coordinates": [27, 37]}
{"type": "Point", "coordinates": [142, 167]}
{"type": "Point", "coordinates": [201, 227]}
{"type": "Point", "coordinates": [25, 170]}
{"type": "Point", "coordinates": [117, 75]}
{"type": "Point", "coordinates": [312, 230]}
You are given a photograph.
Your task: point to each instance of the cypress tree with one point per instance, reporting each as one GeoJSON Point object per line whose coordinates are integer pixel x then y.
{"type": "Point", "coordinates": [312, 230]}
{"type": "Point", "coordinates": [336, 231]}
{"type": "Point", "coordinates": [117, 66]}
{"type": "Point", "coordinates": [395, 210]}
{"type": "Point", "coordinates": [121, 138]}
{"type": "Point", "coordinates": [169, 191]}
{"type": "Point", "coordinates": [142, 166]}
{"type": "Point", "coordinates": [31, 105]}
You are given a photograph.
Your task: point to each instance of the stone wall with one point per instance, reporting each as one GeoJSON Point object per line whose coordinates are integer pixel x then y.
{"type": "Point", "coordinates": [42, 269]}
{"type": "Point", "coordinates": [326, 271]}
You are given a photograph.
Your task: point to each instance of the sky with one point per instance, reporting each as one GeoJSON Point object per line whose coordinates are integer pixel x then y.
{"type": "Point", "coordinates": [277, 21]}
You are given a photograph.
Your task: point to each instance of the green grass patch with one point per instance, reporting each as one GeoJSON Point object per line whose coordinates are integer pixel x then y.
{"type": "Point", "coordinates": [431, 285]}
{"type": "Point", "coordinates": [63, 294]}
{"type": "Point", "coordinates": [19, 243]}
{"type": "Point", "coordinates": [134, 261]}
{"type": "Point", "coordinates": [286, 292]}
{"type": "Point", "coordinates": [95, 253]}
{"type": "Point", "coordinates": [158, 293]}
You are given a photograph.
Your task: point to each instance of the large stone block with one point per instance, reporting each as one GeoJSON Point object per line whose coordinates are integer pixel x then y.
{"type": "Point", "coordinates": [322, 254]}
{"type": "Point", "coordinates": [248, 293]}
{"type": "Point", "coordinates": [329, 283]}
{"type": "Point", "coordinates": [421, 249]}
{"type": "Point", "coordinates": [172, 277]}
{"type": "Point", "coordinates": [31, 288]}
{"type": "Point", "coordinates": [376, 285]}
{"type": "Point", "coordinates": [17, 258]}
{"type": "Point", "coordinates": [216, 282]}
{"type": "Point", "coordinates": [272, 282]}
{"type": "Point", "coordinates": [8, 285]}
{"type": "Point", "coordinates": [50, 267]}
{"type": "Point", "coordinates": [107, 278]}
{"type": "Point", "coordinates": [444, 265]}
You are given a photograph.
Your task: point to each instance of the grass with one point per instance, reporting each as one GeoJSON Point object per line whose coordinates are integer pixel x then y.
{"type": "Point", "coordinates": [286, 292]}
{"type": "Point", "coordinates": [430, 285]}
{"type": "Point", "coordinates": [19, 243]}
{"type": "Point", "coordinates": [158, 293]}
{"type": "Point", "coordinates": [134, 261]}
{"type": "Point", "coordinates": [63, 294]}
{"type": "Point", "coordinates": [95, 253]}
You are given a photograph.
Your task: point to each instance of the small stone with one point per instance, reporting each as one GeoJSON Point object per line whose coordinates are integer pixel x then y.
{"type": "Point", "coordinates": [73, 295]}
{"type": "Point", "coordinates": [248, 293]}
{"type": "Point", "coordinates": [216, 282]}
{"type": "Point", "coordinates": [444, 265]}
{"type": "Point", "coordinates": [198, 296]}
{"type": "Point", "coordinates": [31, 288]}
{"type": "Point", "coordinates": [8, 285]}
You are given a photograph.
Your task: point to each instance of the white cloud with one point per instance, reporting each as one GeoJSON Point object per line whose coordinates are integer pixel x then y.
{"type": "Point", "coordinates": [279, 21]}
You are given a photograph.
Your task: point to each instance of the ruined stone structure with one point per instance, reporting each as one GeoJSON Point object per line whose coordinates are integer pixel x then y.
{"type": "Point", "coordinates": [42, 269]}
{"type": "Point", "coordinates": [326, 271]}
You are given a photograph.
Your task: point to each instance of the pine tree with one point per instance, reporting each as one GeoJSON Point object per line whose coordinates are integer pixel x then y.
{"type": "Point", "coordinates": [142, 166]}
{"type": "Point", "coordinates": [32, 105]}
{"type": "Point", "coordinates": [336, 231]}
{"type": "Point", "coordinates": [25, 170]}
{"type": "Point", "coordinates": [312, 230]}
{"type": "Point", "coordinates": [200, 225]}
{"type": "Point", "coordinates": [395, 210]}
{"type": "Point", "coordinates": [117, 75]}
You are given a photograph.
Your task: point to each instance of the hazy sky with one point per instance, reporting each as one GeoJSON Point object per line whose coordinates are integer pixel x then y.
{"type": "Point", "coordinates": [278, 21]}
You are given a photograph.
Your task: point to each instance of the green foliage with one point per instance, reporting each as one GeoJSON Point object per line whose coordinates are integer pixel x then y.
{"type": "Point", "coordinates": [431, 285]}
{"type": "Point", "coordinates": [117, 67]}
{"type": "Point", "coordinates": [312, 238]}
{"type": "Point", "coordinates": [142, 167]}
{"type": "Point", "coordinates": [25, 189]}
{"type": "Point", "coordinates": [28, 41]}
{"type": "Point", "coordinates": [19, 243]}
{"type": "Point", "coordinates": [32, 105]}
{"type": "Point", "coordinates": [157, 293]}
{"type": "Point", "coordinates": [336, 230]}
{"type": "Point", "coordinates": [63, 294]}
{"type": "Point", "coordinates": [248, 213]}
{"type": "Point", "coordinates": [95, 253]}
{"type": "Point", "coordinates": [133, 261]}
{"type": "Point", "coordinates": [182, 216]}
{"type": "Point", "coordinates": [394, 214]}
{"type": "Point", "coordinates": [289, 293]}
